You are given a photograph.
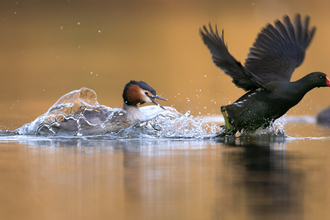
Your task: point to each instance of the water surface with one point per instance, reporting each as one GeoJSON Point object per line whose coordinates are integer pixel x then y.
{"type": "Point", "coordinates": [164, 178]}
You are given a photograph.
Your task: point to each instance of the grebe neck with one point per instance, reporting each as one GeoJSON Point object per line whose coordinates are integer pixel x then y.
{"type": "Point", "coordinates": [133, 111]}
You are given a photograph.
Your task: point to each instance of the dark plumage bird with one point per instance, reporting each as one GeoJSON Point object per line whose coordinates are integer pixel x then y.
{"type": "Point", "coordinates": [266, 75]}
{"type": "Point", "coordinates": [323, 117]}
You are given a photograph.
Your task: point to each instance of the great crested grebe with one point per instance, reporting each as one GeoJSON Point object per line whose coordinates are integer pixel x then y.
{"type": "Point", "coordinates": [104, 119]}
{"type": "Point", "coordinates": [78, 112]}
{"type": "Point", "coordinates": [139, 93]}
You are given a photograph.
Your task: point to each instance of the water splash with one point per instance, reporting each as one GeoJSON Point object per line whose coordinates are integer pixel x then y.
{"type": "Point", "coordinates": [164, 126]}
{"type": "Point", "coordinates": [276, 131]}
{"type": "Point", "coordinates": [79, 114]}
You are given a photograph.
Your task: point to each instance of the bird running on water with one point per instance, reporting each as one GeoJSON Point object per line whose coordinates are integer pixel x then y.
{"type": "Point", "coordinates": [266, 75]}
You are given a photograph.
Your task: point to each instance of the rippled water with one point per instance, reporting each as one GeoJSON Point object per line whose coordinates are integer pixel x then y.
{"type": "Point", "coordinates": [164, 178]}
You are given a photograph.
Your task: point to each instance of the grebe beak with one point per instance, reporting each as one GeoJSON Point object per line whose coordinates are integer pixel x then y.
{"type": "Point", "coordinates": [153, 99]}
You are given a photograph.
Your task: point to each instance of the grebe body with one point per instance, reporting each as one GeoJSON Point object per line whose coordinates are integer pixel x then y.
{"type": "Point", "coordinates": [79, 113]}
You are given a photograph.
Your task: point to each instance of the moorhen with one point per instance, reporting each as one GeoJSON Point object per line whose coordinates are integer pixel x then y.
{"type": "Point", "coordinates": [277, 51]}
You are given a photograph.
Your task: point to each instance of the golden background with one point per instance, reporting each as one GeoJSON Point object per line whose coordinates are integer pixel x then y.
{"type": "Point", "coordinates": [49, 48]}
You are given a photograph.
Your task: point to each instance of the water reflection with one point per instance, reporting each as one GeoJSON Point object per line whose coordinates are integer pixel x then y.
{"type": "Point", "coordinates": [271, 188]}
{"type": "Point", "coordinates": [154, 178]}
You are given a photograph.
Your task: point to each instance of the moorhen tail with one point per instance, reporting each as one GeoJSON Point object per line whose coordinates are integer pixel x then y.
{"type": "Point", "coordinates": [266, 75]}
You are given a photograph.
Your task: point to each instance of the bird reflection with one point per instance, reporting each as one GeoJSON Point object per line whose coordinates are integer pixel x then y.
{"type": "Point", "coordinates": [254, 175]}
{"type": "Point", "coordinates": [271, 188]}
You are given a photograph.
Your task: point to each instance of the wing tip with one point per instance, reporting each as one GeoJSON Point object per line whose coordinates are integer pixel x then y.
{"type": "Point", "coordinates": [281, 40]}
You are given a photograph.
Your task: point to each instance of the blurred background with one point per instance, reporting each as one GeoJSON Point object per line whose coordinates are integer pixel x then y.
{"type": "Point", "coordinates": [49, 48]}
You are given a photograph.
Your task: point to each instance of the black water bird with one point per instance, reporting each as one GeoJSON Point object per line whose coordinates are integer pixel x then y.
{"type": "Point", "coordinates": [323, 117]}
{"type": "Point", "coordinates": [277, 51]}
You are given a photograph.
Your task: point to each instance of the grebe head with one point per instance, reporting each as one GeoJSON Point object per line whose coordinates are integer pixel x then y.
{"type": "Point", "coordinates": [136, 92]}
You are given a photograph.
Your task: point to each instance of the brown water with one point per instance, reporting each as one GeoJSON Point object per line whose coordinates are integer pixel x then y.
{"type": "Point", "coordinates": [49, 48]}
{"type": "Point", "coordinates": [70, 178]}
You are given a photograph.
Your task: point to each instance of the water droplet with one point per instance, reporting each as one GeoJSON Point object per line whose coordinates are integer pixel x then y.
{"type": "Point", "coordinates": [91, 72]}
{"type": "Point", "coordinates": [78, 23]}
{"type": "Point", "coordinates": [79, 46]}
{"type": "Point", "coordinates": [99, 31]}
{"type": "Point", "coordinates": [61, 27]}
{"type": "Point", "coordinates": [204, 75]}
{"type": "Point", "coordinates": [15, 12]}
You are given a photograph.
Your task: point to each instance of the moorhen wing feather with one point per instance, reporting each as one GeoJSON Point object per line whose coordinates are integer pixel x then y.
{"type": "Point", "coordinates": [277, 51]}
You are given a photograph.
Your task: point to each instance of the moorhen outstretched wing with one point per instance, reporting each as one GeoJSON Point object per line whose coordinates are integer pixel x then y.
{"type": "Point", "coordinates": [266, 75]}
